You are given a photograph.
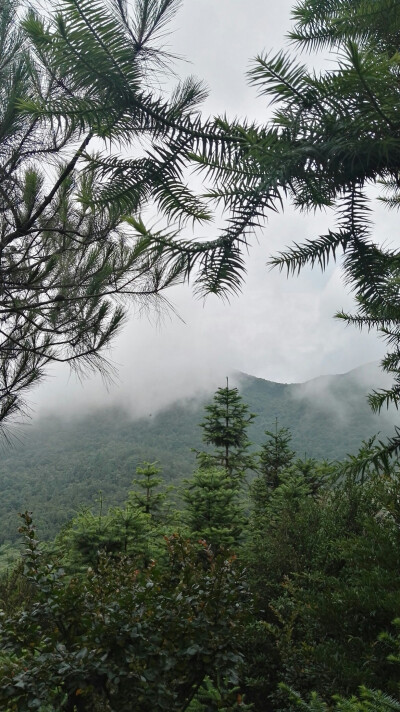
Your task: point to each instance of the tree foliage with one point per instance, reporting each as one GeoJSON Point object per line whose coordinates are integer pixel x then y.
{"type": "Point", "coordinates": [275, 455]}
{"type": "Point", "coordinates": [120, 612]}
{"type": "Point", "coordinates": [213, 510]}
{"type": "Point", "coordinates": [133, 530]}
{"type": "Point", "coordinates": [323, 569]}
{"type": "Point", "coordinates": [122, 636]}
{"type": "Point", "coordinates": [333, 137]}
{"type": "Point", "coordinates": [87, 144]}
{"type": "Point", "coordinates": [225, 427]}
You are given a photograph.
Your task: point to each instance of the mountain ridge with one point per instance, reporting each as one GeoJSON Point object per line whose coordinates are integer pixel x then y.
{"type": "Point", "coordinates": [63, 464]}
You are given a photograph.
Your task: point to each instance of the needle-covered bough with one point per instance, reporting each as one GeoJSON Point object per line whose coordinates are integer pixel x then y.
{"type": "Point", "coordinates": [88, 142]}
{"type": "Point", "coordinates": [333, 141]}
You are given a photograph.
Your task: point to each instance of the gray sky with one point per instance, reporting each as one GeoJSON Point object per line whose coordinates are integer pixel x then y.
{"type": "Point", "coordinates": [279, 329]}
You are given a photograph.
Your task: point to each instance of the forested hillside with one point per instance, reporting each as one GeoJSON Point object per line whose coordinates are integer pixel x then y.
{"type": "Point", "coordinates": [268, 579]}
{"type": "Point", "coordinates": [59, 465]}
{"type": "Point", "coordinates": [243, 598]}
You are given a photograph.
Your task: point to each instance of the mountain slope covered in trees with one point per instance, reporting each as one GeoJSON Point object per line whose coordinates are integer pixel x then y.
{"type": "Point", "coordinates": [60, 464]}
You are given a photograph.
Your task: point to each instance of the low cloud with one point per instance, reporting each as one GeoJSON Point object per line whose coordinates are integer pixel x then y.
{"type": "Point", "coordinates": [278, 329]}
{"type": "Point", "coordinates": [340, 397]}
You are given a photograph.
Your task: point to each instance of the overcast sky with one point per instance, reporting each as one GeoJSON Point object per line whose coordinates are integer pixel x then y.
{"type": "Point", "coordinates": [279, 329]}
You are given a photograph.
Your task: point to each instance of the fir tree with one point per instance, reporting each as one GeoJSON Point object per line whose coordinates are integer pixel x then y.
{"type": "Point", "coordinates": [118, 532]}
{"type": "Point", "coordinates": [274, 457]}
{"type": "Point", "coordinates": [225, 427]}
{"type": "Point", "coordinates": [149, 498]}
{"type": "Point", "coordinates": [213, 511]}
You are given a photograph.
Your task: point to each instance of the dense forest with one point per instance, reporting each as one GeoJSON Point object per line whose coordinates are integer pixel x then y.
{"type": "Point", "coordinates": [56, 465]}
{"type": "Point", "coordinates": [269, 578]}
{"type": "Point", "coordinates": [236, 599]}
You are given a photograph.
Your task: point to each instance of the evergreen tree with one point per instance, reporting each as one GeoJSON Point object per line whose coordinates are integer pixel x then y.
{"type": "Point", "coordinates": [324, 574]}
{"type": "Point", "coordinates": [77, 90]}
{"type": "Point", "coordinates": [134, 529]}
{"type": "Point", "coordinates": [225, 427]}
{"type": "Point", "coordinates": [314, 473]}
{"type": "Point", "coordinates": [121, 531]}
{"type": "Point", "coordinates": [149, 499]}
{"type": "Point", "coordinates": [274, 456]}
{"type": "Point", "coordinates": [122, 638]}
{"type": "Point", "coordinates": [332, 136]}
{"type": "Point", "coordinates": [213, 511]}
